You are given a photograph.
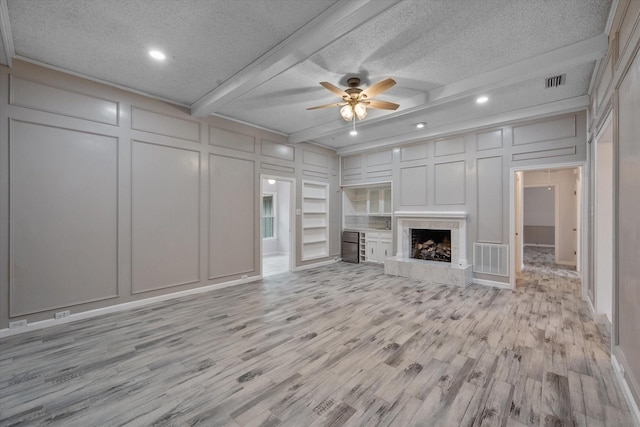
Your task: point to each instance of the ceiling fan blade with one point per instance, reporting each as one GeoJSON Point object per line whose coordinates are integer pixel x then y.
{"type": "Point", "coordinates": [335, 104]}
{"type": "Point", "coordinates": [377, 88]}
{"type": "Point", "coordinates": [334, 89]}
{"type": "Point", "coordinates": [382, 105]}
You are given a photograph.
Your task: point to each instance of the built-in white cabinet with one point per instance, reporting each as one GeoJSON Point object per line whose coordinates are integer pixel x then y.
{"type": "Point", "coordinates": [315, 220]}
{"type": "Point", "coordinates": [356, 201]}
{"type": "Point", "coordinates": [377, 246]}
{"type": "Point", "coordinates": [379, 201]}
{"type": "Point", "coordinates": [373, 207]}
{"type": "Point", "coordinates": [368, 201]}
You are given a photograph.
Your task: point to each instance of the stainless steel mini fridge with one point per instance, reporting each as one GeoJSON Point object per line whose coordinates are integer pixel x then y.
{"type": "Point", "coordinates": [350, 243]}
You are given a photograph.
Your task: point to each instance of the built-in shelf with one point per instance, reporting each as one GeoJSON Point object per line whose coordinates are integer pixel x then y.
{"type": "Point", "coordinates": [315, 220]}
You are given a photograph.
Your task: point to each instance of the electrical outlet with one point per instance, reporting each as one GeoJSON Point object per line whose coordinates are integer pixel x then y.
{"type": "Point", "coordinates": [18, 324]}
{"type": "Point", "coordinates": [62, 314]}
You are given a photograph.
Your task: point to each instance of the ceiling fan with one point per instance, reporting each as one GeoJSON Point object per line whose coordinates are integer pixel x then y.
{"type": "Point", "coordinates": [356, 101]}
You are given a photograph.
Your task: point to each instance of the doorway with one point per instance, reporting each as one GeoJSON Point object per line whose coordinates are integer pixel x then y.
{"type": "Point", "coordinates": [276, 227]}
{"type": "Point", "coordinates": [603, 222]}
{"type": "Point", "coordinates": [546, 214]}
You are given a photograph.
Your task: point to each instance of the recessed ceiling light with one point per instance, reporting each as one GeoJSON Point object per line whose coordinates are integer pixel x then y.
{"type": "Point", "coordinates": [420, 125]}
{"type": "Point", "coordinates": [482, 99]}
{"type": "Point", "coordinates": [157, 55]}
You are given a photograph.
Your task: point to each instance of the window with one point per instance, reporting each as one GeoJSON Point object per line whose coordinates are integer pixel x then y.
{"type": "Point", "coordinates": [267, 217]}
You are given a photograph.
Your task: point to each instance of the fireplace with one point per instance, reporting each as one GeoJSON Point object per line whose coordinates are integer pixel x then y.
{"type": "Point", "coordinates": [430, 244]}
{"type": "Point", "coordinates": [431, 247]}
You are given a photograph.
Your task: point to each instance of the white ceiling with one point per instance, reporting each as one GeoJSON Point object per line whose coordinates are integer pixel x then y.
{"type": "Point", "coordinates": [260, 61]}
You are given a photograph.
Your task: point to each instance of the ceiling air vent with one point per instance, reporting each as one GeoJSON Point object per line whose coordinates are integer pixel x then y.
{"type": "Point", "coordinates": [554, 81]}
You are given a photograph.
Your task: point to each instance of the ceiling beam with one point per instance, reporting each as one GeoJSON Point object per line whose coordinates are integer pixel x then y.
{"type": "Point", "coordinates": [339, 19]}
{"type": "Point", "coordinates": [544, 65]}
{"type": "Point", "coordinates": [5, 33]}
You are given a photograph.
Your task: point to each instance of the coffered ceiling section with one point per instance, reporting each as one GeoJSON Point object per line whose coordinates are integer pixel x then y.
{"type": "Point", "coordinates": [261, 61]}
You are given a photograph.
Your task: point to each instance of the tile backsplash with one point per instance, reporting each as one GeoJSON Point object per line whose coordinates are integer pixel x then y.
{"type": "Point", "coordinates": [367, 221]}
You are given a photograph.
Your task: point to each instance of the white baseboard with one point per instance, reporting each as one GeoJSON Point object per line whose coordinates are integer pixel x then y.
{"type": "Point", "coordinates": [317, 264]}
{"type": "Point", "coordinates": [569, 263]}
{"type": "Point", "coordinates": [618, 370]}
{"type": "Point", "coordinates": [120, 307]}
{"type": "Point", "coordinates": [493, 283]}
{"type": "Point", "coordinates": [539, 245]}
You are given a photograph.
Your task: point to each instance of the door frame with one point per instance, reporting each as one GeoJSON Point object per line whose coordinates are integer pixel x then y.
{"type": "Point", "coordinates": [595, 303]}
{"type": "Point", "coordinates": [583, 210]}
{"type": "Point", "coordinates": [292, 218]}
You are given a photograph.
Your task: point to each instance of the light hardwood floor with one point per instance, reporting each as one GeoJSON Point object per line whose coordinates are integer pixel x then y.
{"type": "Point", "coordinates": [337, 345]}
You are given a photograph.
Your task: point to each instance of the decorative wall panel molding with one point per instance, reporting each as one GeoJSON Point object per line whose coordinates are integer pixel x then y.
{"type": "Point", "coordinates": [489, 140]}
{"type": "Point", "coordinates": [413, 152]}
{"type": "Point", "coordinates": [232, 216]}
{"type": "Point", "coordinates": [379, 158]}
{"type": "Point", "coordinates": [277, 168]}
{"type": "Point", "coordinates": [450, 183]}
{"type": "Point", "coordinates": [549, 130]}
{"type": "Point", "coordinates": [315, 159]}
{"type": "Point", "coordinates": [352, 162]}
{"type": "Point", "coordinates": [413, 186]}
{"type": "Point", "coordinates": [37, 96]}
{"type": "Point", "coordinates": [232, 140]}
{"type": "Point", "coordinates": [490, 199]}
{"type": "Point", "coordinates": [165, 218]}
{"type": "Point", "coordinates": [162, 124]}
{"type": "Point", "coordinates": [279, 151]}
{"type": "Point", "coordinates": [64, 217]}
{"type": "Point", "coordinates": [447, 147]}
{"type": "Point", "coordinates": [541, 154]}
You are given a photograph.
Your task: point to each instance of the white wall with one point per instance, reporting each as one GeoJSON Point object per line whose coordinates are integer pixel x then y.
{"type": "Point", "coordinates": [116, 197]}
{"type": "Point", "coordinates": [616, 91]}
{"type": "Point", "coordinates": [539, 215]}
{"type": "Point", "coordinates": [565, 184]}
{"type": "Point", "coordinates": [470, 171]}
{"type": "Point", "coordinates": [539, 206]}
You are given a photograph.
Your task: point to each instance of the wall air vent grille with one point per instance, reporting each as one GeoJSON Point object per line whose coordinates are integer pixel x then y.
{"type": "Point", "coordinates": [554, 81]}
{"type": "Point", "coordinates": [491, 258]}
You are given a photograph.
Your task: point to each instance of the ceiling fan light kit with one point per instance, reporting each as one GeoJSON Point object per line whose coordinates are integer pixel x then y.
{"type": "Point", "coordinates": [356, 100]}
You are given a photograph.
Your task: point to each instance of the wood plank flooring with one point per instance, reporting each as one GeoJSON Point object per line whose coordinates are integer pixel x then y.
{"type": "Point", "coordinates": [337, 345]}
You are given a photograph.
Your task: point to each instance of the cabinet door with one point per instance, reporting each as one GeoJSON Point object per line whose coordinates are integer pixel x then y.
{"type": "Point", "coordinates": [374, 202]}
{"type": "Point", "coordinates": [372, 247]}
{"type": "Point", "coordinates": [386, 201]}
{"type": "Point", "coordinates": [384, 250]}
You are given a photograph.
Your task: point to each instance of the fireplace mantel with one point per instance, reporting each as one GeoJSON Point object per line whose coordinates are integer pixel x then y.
{"type": "Point", "coordinates": [431, 214]}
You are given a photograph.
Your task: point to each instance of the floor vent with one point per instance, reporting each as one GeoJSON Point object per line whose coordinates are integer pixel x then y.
{"type": "Point", "coordinates": [554, 81]}
{"type": "Point", "coordinates": [490, 258]}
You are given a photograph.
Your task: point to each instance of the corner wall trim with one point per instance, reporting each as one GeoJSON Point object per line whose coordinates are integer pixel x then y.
{"type": "Point", "coordinates": [121, 307]}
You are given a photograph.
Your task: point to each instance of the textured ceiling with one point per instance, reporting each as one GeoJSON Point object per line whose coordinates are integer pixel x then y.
{"type": "Point", "coordinates": [260, 61]}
